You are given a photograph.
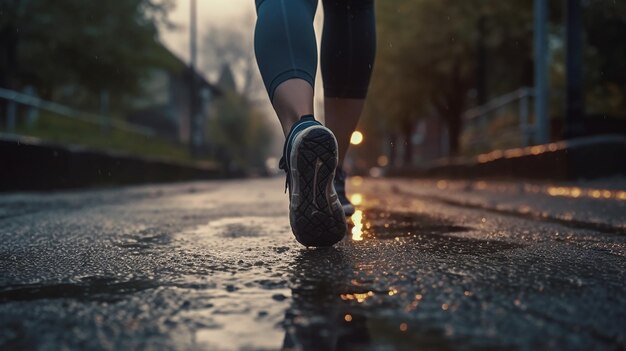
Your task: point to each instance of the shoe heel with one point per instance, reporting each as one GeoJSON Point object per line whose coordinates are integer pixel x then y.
{"type": "Point", "coordinates": [318, 219]}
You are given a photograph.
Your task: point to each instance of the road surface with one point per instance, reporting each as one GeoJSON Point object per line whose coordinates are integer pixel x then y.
{"type": "Point", "coordinates": [213, 265]}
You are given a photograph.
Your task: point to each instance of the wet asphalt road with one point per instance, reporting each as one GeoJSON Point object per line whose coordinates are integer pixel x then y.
{"type": "Point", "coordinates": [214, 266]}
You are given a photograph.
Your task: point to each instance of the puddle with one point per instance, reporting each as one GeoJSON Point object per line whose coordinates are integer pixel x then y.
{"type": "Point", "coordinates": [332, 309]}
{"type": "Point", "coordinates": [249, 303]}
{"type": "Point", "coordinates": [237, 227]}
{"type": "Point", "coordinates": [385, 225]}
{"type": "Point", "coordinates": [245, 319]}
{"type": "Point", "coordinates": [88, 288]}
{"type": "Point", "coordinates": [427, 233]}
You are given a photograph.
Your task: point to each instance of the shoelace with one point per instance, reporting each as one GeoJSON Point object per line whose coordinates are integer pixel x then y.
{"type": "Point", "coordinates": [305, 121]}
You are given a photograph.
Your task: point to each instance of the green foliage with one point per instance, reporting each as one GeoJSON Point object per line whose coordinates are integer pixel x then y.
{"type": "Point", "coordinates": [63, 130]}
{"type": "Point", "coordinates": [427, 59]}
{"type": "Point", "coordinates": [93, 44]}
{"type": "Point", "coordinates": [430, 55]}
{"type": "Point", "coordinates": [605, 54]}
{"type": "Point", "coordinates": [239, 133]}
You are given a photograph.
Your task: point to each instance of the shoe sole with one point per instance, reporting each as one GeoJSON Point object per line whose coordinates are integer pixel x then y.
{"type": "Point", "coordinates": [315, 213]}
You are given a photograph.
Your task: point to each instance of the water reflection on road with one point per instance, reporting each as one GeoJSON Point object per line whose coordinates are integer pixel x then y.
{"type": "Point", "coordinates": [347, 298]}
{"type": "Point", "coordinates": [317, 319]}
{"type": "Point", "coordinates": [219, 269]}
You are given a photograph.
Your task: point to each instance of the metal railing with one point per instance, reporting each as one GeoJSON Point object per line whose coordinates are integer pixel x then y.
{"type": "Point", "coordinates": [480, 117]}
{"type": "Point", "coordinates": [35, 104]}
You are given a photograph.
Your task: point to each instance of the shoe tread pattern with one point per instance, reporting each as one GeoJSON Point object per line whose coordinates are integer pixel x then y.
{"type": "Point", "coordinates": [318, 223]}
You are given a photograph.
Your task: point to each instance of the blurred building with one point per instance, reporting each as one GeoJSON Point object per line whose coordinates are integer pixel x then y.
{"type": "Point", "coordinates": [165, 104]}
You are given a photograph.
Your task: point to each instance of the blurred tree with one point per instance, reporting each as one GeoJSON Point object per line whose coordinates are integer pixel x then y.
{"type": "Point", "coordinates": [440, 57]}
{"type": "Point", "coordinates": [239, 134]}
{"type": "Point", "coordinates": [232, 46]}
{"type": "Point", "coordinates": [238, 131]}
{"type": "Point", "coordinates": [105, 45]}
{"type": "Point", "coordinates": [605, 54]}
{"type": "Point", "coordinates": [427, 61]}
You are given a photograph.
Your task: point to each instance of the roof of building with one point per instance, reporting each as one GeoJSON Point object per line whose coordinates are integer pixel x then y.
{"type": "Point", "coordinates": [175, 64]}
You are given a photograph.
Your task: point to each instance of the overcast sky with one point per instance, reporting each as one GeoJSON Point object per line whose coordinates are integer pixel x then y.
{"type": "Point", "coordinates": [216, 12]}
{"type": "Point", "coordinates": [212, 13]}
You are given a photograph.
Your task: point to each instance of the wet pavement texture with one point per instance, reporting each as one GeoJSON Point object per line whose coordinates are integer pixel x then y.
{"type": "Point", "coordinates": [598, 205]}
{"type": "Point", "coordinates": [214, 266]}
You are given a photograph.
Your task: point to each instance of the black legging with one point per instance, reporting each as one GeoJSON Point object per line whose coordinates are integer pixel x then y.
{"type": "Point", "coordinates": [285, 44]}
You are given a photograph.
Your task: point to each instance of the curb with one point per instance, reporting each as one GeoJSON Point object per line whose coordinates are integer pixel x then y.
{"type": "Point", "coordinates": [583, 158]}
{"type": "Point", "coordinates": [32, 164]}
{"type": "Point", "coordinates": [533, 215]}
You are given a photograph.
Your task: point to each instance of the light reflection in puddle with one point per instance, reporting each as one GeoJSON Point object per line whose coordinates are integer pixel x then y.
{"type": "Point", "coordinates": [357, 217]}
{"type": "Point", "coordinates": [239, 227]}
{"type": "Point", "coordinates": [358, 297]}
{"type": "Point", "coordinates": [246, 301]}
{"type": "Point", "coordinates": [247, 319]}
{"type": "Point", "coordinates": [357, 230]}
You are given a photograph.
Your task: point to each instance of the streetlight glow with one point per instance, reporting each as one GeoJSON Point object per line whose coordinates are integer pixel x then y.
{"type": "Point", "coordinates": [356, 138]}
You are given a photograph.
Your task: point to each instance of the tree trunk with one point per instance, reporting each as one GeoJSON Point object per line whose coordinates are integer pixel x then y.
{"type": "Point", "coordinates": [392, 150]}
{"type": "Point", "coordinates": [8, 56]}
{"type": "Point", "coordinates": [454, 134]}
{"type": "Point", "coordinates": [575, 97]}
{"type": "Point", "coordinates": [408, 145]}
{"type": "Point", "coordinates": [8, 64]}
{"type": "Point", "coordinates": [456, 102]}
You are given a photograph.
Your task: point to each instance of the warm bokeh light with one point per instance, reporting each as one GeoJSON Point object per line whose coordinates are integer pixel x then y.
{"type": "Point", "coordinates": [356, 138]}
{"type": "Point", "coordinates": [356, 180]}
{"type": "Point", "coordinates": [576, 192]}
{"type": "Point", "coordinates": [358, 297]}
{"type": "Point", "coordinates": [375, 172]}
{"type": "Point", "coordinates": [356, 199]}
{"type": "Point", "coordinates": [383, 160]}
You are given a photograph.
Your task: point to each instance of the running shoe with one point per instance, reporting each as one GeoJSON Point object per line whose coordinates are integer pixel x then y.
{"type": "Point", "coordinates": [309, 159]}
{"type": "Point", "coordinates": [340, 187]}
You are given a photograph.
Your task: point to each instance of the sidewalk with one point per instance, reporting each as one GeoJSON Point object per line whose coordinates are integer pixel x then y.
{"type": "Point", "coordinates": [596, 205]}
